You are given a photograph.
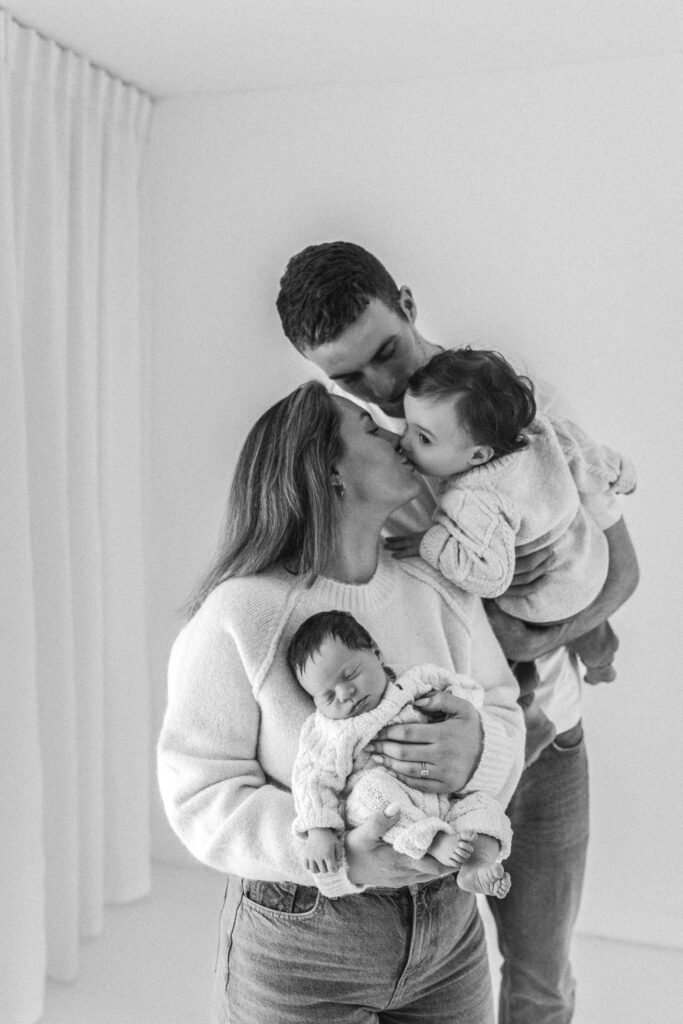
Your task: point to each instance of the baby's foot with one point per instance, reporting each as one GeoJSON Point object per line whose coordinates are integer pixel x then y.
{"type": "Point", "coordinates": [453, 850]}
{"type": "Point", "coordinates": [487, 879]}
{"type": "Point", "coordinates": [600, 674]}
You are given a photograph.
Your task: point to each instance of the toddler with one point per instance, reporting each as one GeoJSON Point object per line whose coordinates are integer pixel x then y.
{"type": "Point", "coordinates": [511, 481]}
{"type": "Point", "coordinates": [336, 781]}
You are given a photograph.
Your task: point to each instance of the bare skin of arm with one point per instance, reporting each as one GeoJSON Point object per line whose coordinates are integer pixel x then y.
{"type": "Point", "coordinates": [522, 642]}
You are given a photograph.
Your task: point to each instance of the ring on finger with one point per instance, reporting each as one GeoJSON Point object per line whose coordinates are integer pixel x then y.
{"type": "Point", "coordinates": [424, 770]}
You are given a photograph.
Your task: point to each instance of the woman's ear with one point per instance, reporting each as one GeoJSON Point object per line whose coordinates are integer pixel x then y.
{"type": "Point", "coordinates": [407, 303]}
{"type": "Point", "coordinates": [481, 453]}
{"type": "Point", "coordinates": [337, 482]}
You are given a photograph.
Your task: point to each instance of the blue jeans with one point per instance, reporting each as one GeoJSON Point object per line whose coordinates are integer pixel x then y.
{"type": "Point", "coordinates": [549, 815]}
{"type": "Point", "coordinates": [288, 955]}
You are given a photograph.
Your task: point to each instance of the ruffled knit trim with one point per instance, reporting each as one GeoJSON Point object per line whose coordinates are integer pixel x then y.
{"type": "Point", "coordinates": [334, 884]}
{"type": "Point", "coordinates": [477, 474]}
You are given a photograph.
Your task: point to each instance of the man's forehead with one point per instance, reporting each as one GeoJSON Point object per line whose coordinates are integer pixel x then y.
{"type": "Point", "coordinates": [358, 344]}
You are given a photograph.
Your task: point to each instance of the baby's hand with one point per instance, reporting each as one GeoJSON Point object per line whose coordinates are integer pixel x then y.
{"type": "Point", "coordinates": [406, 546]}
{"type": "Point", "coordinates": [322, 850]}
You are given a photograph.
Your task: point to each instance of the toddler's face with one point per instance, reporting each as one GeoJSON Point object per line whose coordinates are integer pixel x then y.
{"type": "Point", "coordinates": [435, 440]}
{"type": "Point", "coordinates": [342, 682]}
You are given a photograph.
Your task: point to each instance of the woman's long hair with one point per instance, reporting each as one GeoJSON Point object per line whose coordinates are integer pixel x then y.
{"type": "Point", "coordinates": [282, 504]}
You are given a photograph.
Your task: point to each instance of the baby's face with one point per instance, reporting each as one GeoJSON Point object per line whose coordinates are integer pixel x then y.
{"type": "Point", "coordinates": [342, 682]}
{"type": "Point", "coordinates": [435, 441]}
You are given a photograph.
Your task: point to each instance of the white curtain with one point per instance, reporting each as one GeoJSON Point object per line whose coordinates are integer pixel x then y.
{"type": "Point", "coordinates": [74, 724]}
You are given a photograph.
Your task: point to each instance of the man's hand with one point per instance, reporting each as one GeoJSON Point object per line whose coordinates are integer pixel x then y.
{"type": "Point", "coordinates": [449, 750]}
{"type": "Point", "coordinates": [371, 861]}
{"type": "Point", "coordinates": [529, 569]}
{"type": "Point", "coordinates": [525, 643]}
{"type": "Point", "coordinates": [406, 546]}
{"type": "Point", "coordinates": [322, 850]}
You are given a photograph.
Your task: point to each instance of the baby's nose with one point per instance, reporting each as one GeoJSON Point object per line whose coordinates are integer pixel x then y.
{"type": "Point", "coordinates": [345, 691]}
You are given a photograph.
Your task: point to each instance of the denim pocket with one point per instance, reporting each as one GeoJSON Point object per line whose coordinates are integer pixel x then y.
{"type": "Point", "coordinates": [281, 899]}
{"type": "Point", "coordinates": [569, 740]}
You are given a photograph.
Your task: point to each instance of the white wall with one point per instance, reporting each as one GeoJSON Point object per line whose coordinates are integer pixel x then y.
{"type": "Point", "coordinates": [538, 211]}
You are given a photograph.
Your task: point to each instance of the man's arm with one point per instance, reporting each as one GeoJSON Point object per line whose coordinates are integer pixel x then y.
{"type": "Point", "coordinates": [522, 642]}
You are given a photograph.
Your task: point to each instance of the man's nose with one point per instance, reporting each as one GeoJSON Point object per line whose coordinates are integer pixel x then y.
{"type": "Point", "coordinates": [381, 383]}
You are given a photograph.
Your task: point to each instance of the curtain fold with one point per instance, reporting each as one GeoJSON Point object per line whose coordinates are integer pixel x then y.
{"type": "Point", "coordinates": [74, 738]}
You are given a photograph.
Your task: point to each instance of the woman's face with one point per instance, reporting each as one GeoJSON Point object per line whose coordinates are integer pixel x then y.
{"type": "Point", "coordinates": [374, 473]}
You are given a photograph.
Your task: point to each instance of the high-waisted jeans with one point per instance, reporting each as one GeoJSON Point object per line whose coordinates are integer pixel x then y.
{"type": "Point", "coordinates": [288, 955]}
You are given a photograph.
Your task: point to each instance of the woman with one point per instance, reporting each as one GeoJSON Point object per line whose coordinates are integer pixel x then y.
{"type": "Point", "coordinates": [389, 938]}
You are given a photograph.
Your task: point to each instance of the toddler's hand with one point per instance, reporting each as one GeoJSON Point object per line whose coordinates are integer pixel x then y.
{"type": "Point", "coordinates": [406, 546]}
{"type": "Point", "coordinates": [322, 850]}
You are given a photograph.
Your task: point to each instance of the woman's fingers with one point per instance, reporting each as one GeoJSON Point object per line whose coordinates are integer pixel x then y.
{"type": "Point", "coordinates": [414, 733]}
{"type": "Point", "coordinates": [452, 746]}
{"type": "Point", "coordinates": [444, 702]}
{"type": "Point", "coordinates": [370, 861]}
{"type": "Point", "coordinates": [428, 785]}
{"type": "Point", "coordinates": [412, 772]}
{"type": "Point", "coordinates": [416, 752]}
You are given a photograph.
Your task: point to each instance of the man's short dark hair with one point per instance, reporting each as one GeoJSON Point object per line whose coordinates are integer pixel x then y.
{"type": "Point", "coordinates": [312, 633]}
{"type": "Point", "coordinates": [495, 404]}
{"type": "Point", "coordinates": [326, 287]}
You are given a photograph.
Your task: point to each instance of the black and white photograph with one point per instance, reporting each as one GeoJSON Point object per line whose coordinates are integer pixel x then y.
{"type": "Point", "coordinates": [341, 547]}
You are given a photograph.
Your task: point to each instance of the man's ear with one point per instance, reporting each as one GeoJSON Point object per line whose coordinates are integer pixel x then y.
{"type": "Point", "coordinates": [407, 303]}
{"type": "Point", "coordinates": [481, 453]}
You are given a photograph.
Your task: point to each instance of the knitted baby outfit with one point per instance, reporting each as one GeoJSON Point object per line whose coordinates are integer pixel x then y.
{"type": "Point", "coordinates": [333, 765]}
{"type": "Point", "coordinates": [524, 501]}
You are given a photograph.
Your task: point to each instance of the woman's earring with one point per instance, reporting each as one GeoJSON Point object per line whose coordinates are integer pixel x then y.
{"type": "Point", "coordinates": [339, 486]}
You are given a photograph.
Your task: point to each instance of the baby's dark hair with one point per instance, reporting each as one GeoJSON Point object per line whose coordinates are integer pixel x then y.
{"type": "Point", "coordinates": [495, 404]}
{"type": "Point", "coordinates": [312, 633]}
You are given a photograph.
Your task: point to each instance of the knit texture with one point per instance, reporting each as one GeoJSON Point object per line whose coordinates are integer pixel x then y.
{"type": "Point", "coordinates": [235, 712]}
{"type": "Point", "coordinates": [333, 762]}
{"type": "Point", "coordinates": [558, 490]}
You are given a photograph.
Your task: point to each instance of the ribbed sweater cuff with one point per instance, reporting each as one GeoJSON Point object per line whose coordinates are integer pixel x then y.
{"type": "Point", "coordinates": [334, 884]}
{"type": "Point", "coordinates": [494, 766]}
{"type": "Point", "coordinates": [431, 545]}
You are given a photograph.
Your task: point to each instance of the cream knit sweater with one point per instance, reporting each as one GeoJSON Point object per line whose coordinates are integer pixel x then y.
{"type": "Point", "coordinates": [231, 728]}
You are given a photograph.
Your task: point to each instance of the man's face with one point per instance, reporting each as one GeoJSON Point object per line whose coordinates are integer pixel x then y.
{"type": "Point", "coordinates": [374, 357]}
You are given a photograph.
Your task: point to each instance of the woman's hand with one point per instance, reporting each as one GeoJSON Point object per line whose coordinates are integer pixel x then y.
{"type": "Point", "coordinates": [371, 861]}
{"type": "Point", "coordinates": [449, 750]}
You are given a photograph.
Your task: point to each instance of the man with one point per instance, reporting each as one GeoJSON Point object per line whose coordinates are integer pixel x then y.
{"type": "Point", "coordinates": [344, 312]}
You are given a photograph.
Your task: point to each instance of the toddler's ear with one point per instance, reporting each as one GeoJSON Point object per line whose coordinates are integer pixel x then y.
{"type": "Point", "coordinates": [481, 454]}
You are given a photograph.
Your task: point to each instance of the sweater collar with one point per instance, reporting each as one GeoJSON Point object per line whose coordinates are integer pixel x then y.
{"type": "Point", "coordinates": [359, 597]}
{"type": "Point", "coordinates": [477, 473]}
